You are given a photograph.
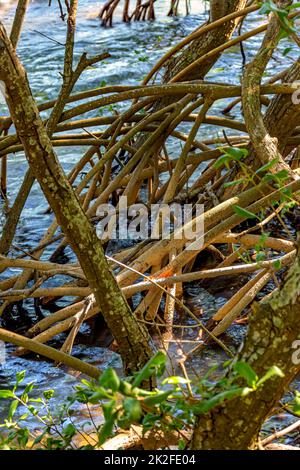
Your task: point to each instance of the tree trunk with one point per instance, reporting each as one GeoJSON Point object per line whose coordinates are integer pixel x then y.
{"type": "Point", "coordinates": [282, 115]}
{"type": "Point", "coordinates": [133, 340]}
{"type": "Point", "coordinates": [280, 120]}
{"type": "Point", "coordinates": [205, 43]}
{"type": "Point", "coordinates": [266, 148]}
{"type": "Point", "coordinates": [273, 327]}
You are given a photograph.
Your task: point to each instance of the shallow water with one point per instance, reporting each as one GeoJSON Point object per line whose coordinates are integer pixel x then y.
{"type": "Point", "coordinates": [134, 48]}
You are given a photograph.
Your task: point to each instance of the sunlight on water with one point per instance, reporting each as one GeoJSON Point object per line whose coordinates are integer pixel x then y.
{"type": "Point", "coordinates": [134, 49]}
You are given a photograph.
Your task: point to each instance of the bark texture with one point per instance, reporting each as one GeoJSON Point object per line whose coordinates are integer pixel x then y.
{"type": "Point", "coordinates": [265, 146]}
{"type": "Point", "coordinates": [134, 342]}
{"type": "Point", "coordinates": [283, 115]}
{"type": "Point", "coordinates": [206, 43]}
{"type": "Point", "coordinates": [273, 328]}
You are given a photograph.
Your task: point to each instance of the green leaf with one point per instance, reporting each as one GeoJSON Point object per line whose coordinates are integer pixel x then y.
{"type": "Point", "coordinates": [245, 370]}
{"type": "Point", "coordinates": [261, 256]}
{"type": "Point", "coordinates": [216, 70]}
{"type": "Point", "coordinates": [282, 174]}
{"type": "Point", "coordinates": [39, 438]}
{"type": "Point", "coordinates": [69, 431]}
{"type": "Point", "coordinates": [23, 417]}
{"type": "Point", "coordinates": [230, 153]}
{"type": "Point", "coordinates": [234, 183]}
{"type": "Point", "coordinates": [110, 380]}
{"type": "Point", "coordinates": [33, 410]}
{"type": "Point", "coordinates": [29, 387]}
{"type": "Point", "coordinates": [86, 383]}
{"type": "Point", "coordinates": [20, 376]}
{"type": "Point", "coordinates": [106, 429]}
{"type": "Point", "coordinates": [268, 177]}
{"type": "Point", "coordinates": [132, 408]}
{"type": "Point", "coordinates": [267, 166]}
{"type": "Point", "coordinates": [222, 161]}
{"type": "Point", "coordinates": [36, 400]}
{"type": "Point", "coordinates": [269, 6]}
{"type": "Point", "coordinates": [236, 153]}
{"type": "Point", "coordinates": [296, 405]}
{"type": "Point", "coordinates": [181, 444]}
{"type": "Point", "coordinates": [109, 409]}
{"type": "Point", "coordinates": [293, 6]}
{"type": "Point", "coordinates": [273, 371]}
{"type": "Point", "coordinates": [286, 51]}
{"type": "Point", "coordinates": [125, 388]}
{"type": "Point", "coordinates": [263, 237]}
{"type": "Point", "coordinates": [12, 409]}
{"type": "Point", "coordinates": [174, 380]}
{"type": "Point", "coordinates": [156, 365]}
{"type": "Point", "coordinates": [99, 395]}
{"type": "Point", "coordinates": [27, 390]}
{"type": "Point", "coordinates": [24, 397]}
{"type": "Point", "coordinates": [6, 394]}
{"type": "Point", "coordinates": [48, 394]}
{"type": "Point", "coordinates": [244, 212]}
{"type": "Point", "coordinates": [277, 264]}
{"type": "Point", "coordinates": [150, 420]}
{"type": "Point", "coordinates": [287, 194]}
{"type": "Point", "coordinates": [23, 436]}
{"type": "Point", "coordinates": [158, 398]}
{"type": "Point", "coordinates": [206, 405]}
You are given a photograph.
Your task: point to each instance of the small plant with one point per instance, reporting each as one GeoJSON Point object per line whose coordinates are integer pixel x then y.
{"type": "Point", "coordinates": [269, 6]}
{"type": "Point", "coordinates": [171, 407]}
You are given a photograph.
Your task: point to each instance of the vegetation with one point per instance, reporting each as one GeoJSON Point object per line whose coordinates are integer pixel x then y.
{"type": "Point", "coordinates": [248, 184]}
{"type": "Point", "coordinates": [162, 412]}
